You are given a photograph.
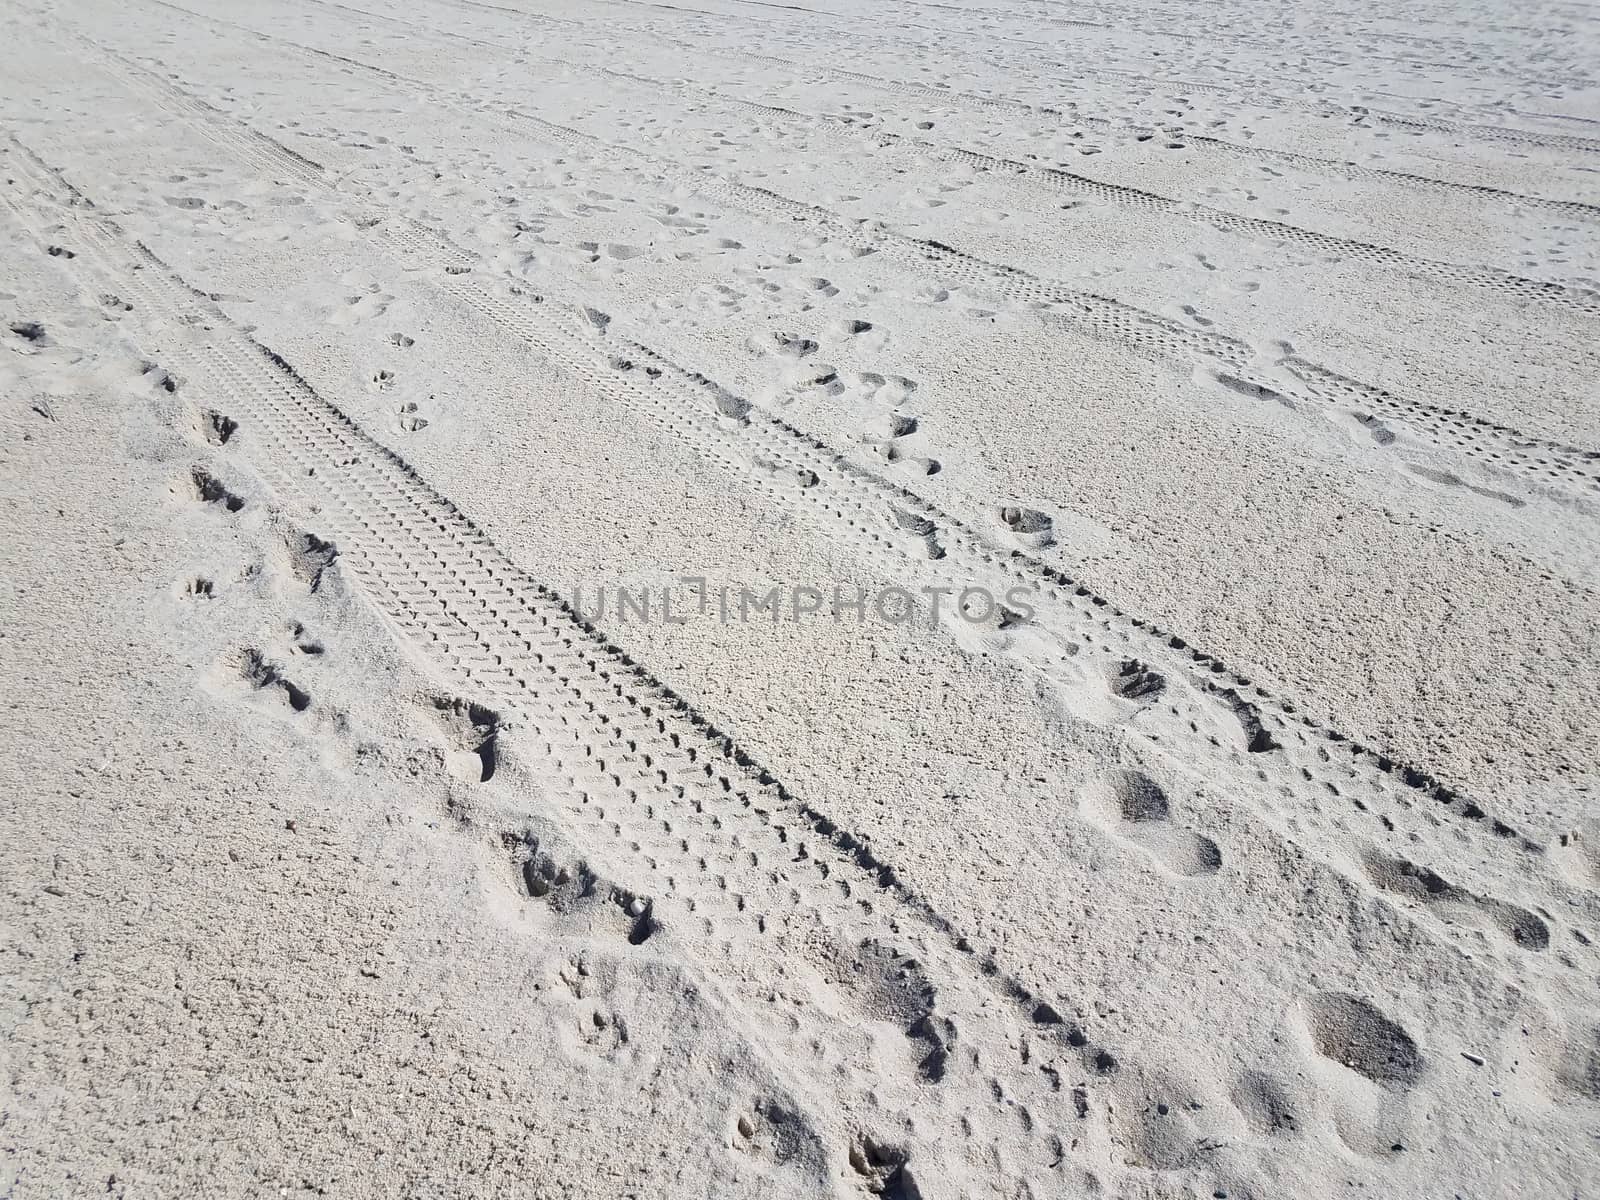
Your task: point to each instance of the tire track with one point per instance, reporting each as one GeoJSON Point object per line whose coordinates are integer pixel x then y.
{"type": "Point", "coordinates": [1359, 114]}
{"type": "Point", "coordinates": [643, 774]}
{"type": "Point", "coordinates": [1227, 40]}
{"type": "Point", "coordinates": [640, 773]}
{"type": "Point", "coordinates": [712, 834]}
{"type": "Point", "coordinates": [1069, 113]}
{"type": "Point", "coordinates": [802, 473]}
{"type": "Point", "coordinates": [1056, 180]}
{"type": "Point", "coordinates": [1229, 360]}
{"type": "Point", "coordinates": [1513, 288]}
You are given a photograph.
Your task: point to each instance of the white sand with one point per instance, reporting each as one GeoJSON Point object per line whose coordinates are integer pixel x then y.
{"type": "Point", "coordinates": [1250, 851]}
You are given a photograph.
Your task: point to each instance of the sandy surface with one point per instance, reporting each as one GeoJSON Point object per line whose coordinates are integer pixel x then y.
{"type": "Point", "coordinates": [1229, 375]}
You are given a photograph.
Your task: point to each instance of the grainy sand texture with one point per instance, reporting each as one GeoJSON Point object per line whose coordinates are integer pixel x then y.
{"type": "Point", "coordinates": [986, 599]}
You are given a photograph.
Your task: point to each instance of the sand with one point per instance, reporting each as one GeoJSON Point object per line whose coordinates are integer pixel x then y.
{"type": "Point", "coordinates": [623, 599]}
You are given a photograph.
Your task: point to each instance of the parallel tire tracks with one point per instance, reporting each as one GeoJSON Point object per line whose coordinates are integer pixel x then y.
{"type": "Point", "coordinates": [1356, 113]}
{"type": "Point", "coordinates": [1071, 113]}
{"type": "Point", "coordinates": [639, 774]}
{"type": "Point", "coordinates": [799, 471]}
{"type": "Point", "coordinates": [1514, 288]}
{"type": "Point", "coordinates": [1234, 363]}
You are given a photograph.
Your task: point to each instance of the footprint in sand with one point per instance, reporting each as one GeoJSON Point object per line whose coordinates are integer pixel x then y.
{"type": "Point", "coordinates": [409, 420]}
{"type": "Point", "coordinates": [1357, 1035]}
{"type": "Point", "coordinates": [201, 487]}
{"type": "Point", "coordinates": [369, 302]}
{"type": "Point", "coordinates": [1423, 886]}
{"type": "Point", "coordinates": [1131, 806]}
{"type": "Point", "coordinates": [266, 677]}
{"type": "Point", "coordinates": [473, 732]}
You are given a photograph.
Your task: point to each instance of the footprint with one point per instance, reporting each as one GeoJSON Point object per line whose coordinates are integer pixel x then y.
{"type": "Point", "coordinates": [573, 890]}
{"type": "Point", "coordinates": [301, 642]}
{"type": "Point", "coordinates": [889, 426]}
{"type": "Point", "coordinates": [1376, 429]}
{"type": "Point", "coordinates": [915, 464]}
{"type": "Point", "coordinates": [1132, 806]}
{"type": "Point", "coordinates": [779, 1134]}
{"type": "Point", "coordinates": [1134, 680]}
{"type": "Point", "coordinates": [408, 420]}
{"type": "Point", "coordinates": [1264, 1104]}
{"type": "Point", "coordinates": [216, 428]}
{"type": "Point", "coordinates": [1577, 853]}
{"type": "Point", "coordinates": [1029, 526]}
{"type": "Point", "coordinates": [1404, 878]}
{"type": "Point", "coordinates": [204, 488]}
{"type": "Point", "coordinates": [474, 732]}
{"type": "Point", "coordinates": [603, 1032]}
{"type": "Point", "coordinates": [919, 527]}
{"type": "Point", "coordinates": [883, 984]}
{"type": "Point", "coordinates": [306, 558]}
{"type": "Point", "coordinates": [1257, 738]}
{"type": "Point", "coordinates": [265, 676]}
{"type": "Point", "coordinates": [820, 378]}
{"type": "Point", "coordinates": [884, 1168]}
{"type": "Point", "coordinates": [1576, 1066]}
{"type": "Point", "coordinates": [1451, 480]}
{"type": "Point", "coordinates": [1354, 1034]}
{"type": "Point", "coordinates": [782, 345]}
{"type": "Point", "coordinates": [159, 377]}
{"type": "Point", "coordinates": [363, 306]}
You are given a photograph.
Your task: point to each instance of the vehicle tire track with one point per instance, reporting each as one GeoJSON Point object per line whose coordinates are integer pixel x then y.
{"type": "Point", "coordinates": [1230, 360]}
{"type": "Point", "coordinates": [797, 471]}
{"type": "Point", "coordinates": [1226, 39]}
{"type": "Point", "coordinates": [1070, 113]}
{"type": "Point", "coordinates": [641, 774]}
{"type": "Point", "coordinates": [1354, 113]}
{"type": "Point", "coordinates": [1514, 288]}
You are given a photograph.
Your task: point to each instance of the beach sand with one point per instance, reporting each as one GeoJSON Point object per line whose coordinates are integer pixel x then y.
{"type": "Point", "coordinates": [622, 599]}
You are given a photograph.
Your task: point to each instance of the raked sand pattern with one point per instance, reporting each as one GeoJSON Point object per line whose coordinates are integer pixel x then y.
{"type": "Point", "coordinates": [611, 598]}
